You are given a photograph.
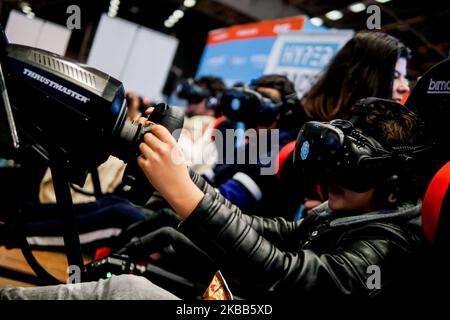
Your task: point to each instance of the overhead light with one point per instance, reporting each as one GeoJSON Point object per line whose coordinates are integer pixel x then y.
{"type": "Point", "coordinates": [173, 19]}
{"type": "Point", "coordinates": [334, 15]}
{"type": "Point", "coordinates": [113, 8]}
{"type": "Point", "coordinates": [178, 14]}
{"type": "Point", "coordinates": [382, 1]}
{"type": "Point", "coordinates": [26, 9]}
{"type": "Point", "coordinates": [112, 12]}
{"type": "Point", "coordinates": [357, 7]}
{"type": "Point", "coordinates": [316, 21]}
{"type": "Point", "coordinates": [25, 6]}
{"type": "Point", "coordinates": [189, 3]}
{"type": "Point", "coordinates": [168, 24]}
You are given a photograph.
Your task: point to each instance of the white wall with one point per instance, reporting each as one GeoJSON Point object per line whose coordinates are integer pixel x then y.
{"type": "Point", "coordinates": [37, 33]}
{"type": "Point", "coordinates": [111, 46]}
{"type": "Point", "coordinates": [139, 57]}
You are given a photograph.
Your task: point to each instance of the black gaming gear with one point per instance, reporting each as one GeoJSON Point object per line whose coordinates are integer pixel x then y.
{"type": "Point", "coordinates": [193, 93]}
{"type": "Point", "coordinates": [250, 106]}
{"type": "Point", "coordinates": [339, 153]}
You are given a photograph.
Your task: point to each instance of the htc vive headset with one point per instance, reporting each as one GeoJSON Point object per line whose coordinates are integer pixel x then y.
{"type": "Point", "coordinates": [253, 107]}
{"type": "Point", "coordinates": [244, 104]}
{"type": "Point", "coordinates": [289, 96]}
{"type": "Point", "coordinates": [193, 93]}
{"type": "Point", "coordinates": [337, 152]}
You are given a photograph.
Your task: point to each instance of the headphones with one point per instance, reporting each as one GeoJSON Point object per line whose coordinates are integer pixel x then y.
{"type": "Point", "coordinates": [193, 93]}
{"type": "Point", "coordinates": [244, 104]}
{"type": "Point", "coordinates": [291, 101]}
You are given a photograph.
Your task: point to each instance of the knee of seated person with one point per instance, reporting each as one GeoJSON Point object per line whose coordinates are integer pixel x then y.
{"type": "Point", "coordinates": [133, 287]}
{"type": "Point", "coordinates": [128, 281]}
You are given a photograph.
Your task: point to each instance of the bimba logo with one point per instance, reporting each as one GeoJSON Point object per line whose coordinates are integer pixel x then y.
{"type": "Point", "coordinates": [439, 87]}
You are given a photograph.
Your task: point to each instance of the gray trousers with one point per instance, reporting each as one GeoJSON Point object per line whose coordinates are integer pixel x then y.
{"type": "Point", "coordinates": [122, 287]}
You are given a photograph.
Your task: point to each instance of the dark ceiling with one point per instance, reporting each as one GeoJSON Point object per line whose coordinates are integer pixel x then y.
{"type": "Point", "coordinates": [422, 25]}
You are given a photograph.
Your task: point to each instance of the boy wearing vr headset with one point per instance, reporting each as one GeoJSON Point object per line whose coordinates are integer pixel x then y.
{"type": "Point", "coordinates": [365, 241]}
{"type": "Point", "coordinates": [358, 170]}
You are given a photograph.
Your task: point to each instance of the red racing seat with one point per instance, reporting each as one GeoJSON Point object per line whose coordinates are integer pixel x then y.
{"type": "Point", "coordinates": [282, 156]}
{"type": "Point", "coordinates": [436, 207]}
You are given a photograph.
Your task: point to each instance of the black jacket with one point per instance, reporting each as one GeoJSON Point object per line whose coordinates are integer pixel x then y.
{"type": "Point", "coordinates": [323, 254]}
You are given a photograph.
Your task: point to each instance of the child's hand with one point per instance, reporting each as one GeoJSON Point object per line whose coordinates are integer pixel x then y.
{"type": "Point", "coordinates": [164, 165]}
{"type": "Point", "coordinates": [143, 120]}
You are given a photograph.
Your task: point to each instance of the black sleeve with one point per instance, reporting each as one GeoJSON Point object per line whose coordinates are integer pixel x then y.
{"type": "Point", "coordinates": [277, 230]}
{"type": "Point", "coordinates": [256, 262]}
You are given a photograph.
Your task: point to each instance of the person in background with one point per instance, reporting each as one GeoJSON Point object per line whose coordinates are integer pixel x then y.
{"type": "Point", "coordinates": [203, 107]}
{"type": "Point", "coordinates": [371, 64]}
{"type": "Point", "coordinates": [136, 105]}
{"type": "Point", "coordinates": [246, 184]}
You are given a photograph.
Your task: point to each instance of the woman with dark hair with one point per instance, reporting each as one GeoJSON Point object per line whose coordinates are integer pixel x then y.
{"type": "Point", "coordinates": [371, 64]}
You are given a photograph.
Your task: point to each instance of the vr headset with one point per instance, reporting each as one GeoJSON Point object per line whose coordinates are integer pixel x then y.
{"type": "Point", "coordinates": [193, 93]}
{"type": "Point", "coordinates": [336, 152]}
{"type": "Point", "coordinates": [290, 100]}
{"type": "Point", "coordinates": [245, 104]}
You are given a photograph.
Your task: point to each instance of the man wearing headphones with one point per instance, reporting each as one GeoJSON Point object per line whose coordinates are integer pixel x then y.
{"type": "Point", "coordinates": [262, 107]}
